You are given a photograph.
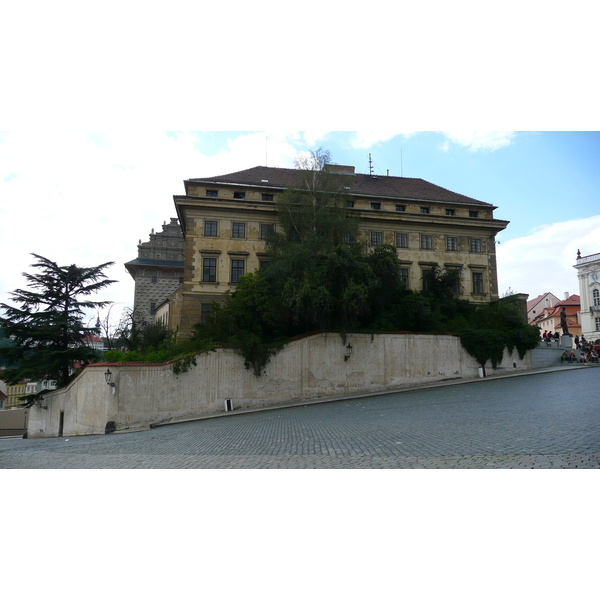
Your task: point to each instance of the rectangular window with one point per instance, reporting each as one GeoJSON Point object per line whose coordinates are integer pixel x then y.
{"type": "Point", "coordinates": [376, 238]}
{"type": "Point", "coordinates": [239, 195]}
{"type": "Point", "coordinates": [349, 203]}
{"type": "Point", "coordinates": [266, 230]}
{"type": "Point", "coordinates": [451, 244]}
{"type": "Point", "coordinates": [212, 193]}
{"type": "Point", "coordinates": [206, 312]}
{"type": "Point", "coordinates": [349, 238]}
{"type": "Point", "coordinates": [209, 269]}
{"type": "Point", "coordinates": [262, 264]}
{"type": "Point", "coordinates": [402, 240]}
{"type": "Point", "coordinates": [403, 275]}
{"type": "Point", "coordinates": [210, 228]}
{"type": "Point", "coordinates": [456, 287]}
{"type": "Point", "coordinates": [424, 210]}
{"type": "Point", "coordinates": [426, 276]}
{"type": "Point", "coordinates": [376, 205]}
{"type": "Point", "coordinates": [475, 245]}
{"type": "Point", "coordinates": [450, 212]}
{"type": "Point", "coordinates": [267, 197]}
{"type": "Point", "coordinates": [154, 279]}
{"type": "Point", "coordinates": [478, 283]}
{"type": "Point", "coordinates": [238, 230]}
{"type": "Point", "coordinates": [597, 323]}
{"type": "Point", "coordinates": [181, 280]}
{"type": "Point", "coordinates": [474, 213]}
{"type": "Point", "coordinates": [152, 308]}
{"type": "Point", "coordinates": [401, 207]}
{"type": "Point", "coordinates": [237, 270]}
{"type": "Point", "coordinates": [426, 242]}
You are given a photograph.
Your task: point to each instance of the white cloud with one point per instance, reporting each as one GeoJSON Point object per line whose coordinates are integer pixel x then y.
{"type": "Point", "coordinates": [367, 139]}
{"type": "Point", "coordinates": [479, 140]}
{"type": "Point", "coordinates": [543, 261]}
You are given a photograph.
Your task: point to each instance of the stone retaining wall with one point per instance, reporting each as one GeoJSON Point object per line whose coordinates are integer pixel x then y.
{"type": "Point", "coordinates": [308, 368]}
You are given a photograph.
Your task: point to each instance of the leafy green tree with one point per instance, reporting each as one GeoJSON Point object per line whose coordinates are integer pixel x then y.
{"type": "Point", "coordinates": [46, 323]}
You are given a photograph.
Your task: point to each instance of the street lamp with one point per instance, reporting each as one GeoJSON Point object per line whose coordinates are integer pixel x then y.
{"type": "Point", "coordinates": [348, 352]}
{"type": "Point", "coordinates": [107, 376]}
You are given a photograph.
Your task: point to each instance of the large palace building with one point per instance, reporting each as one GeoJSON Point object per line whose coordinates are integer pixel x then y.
{"type": "Point", "coordinates": [226, 219]}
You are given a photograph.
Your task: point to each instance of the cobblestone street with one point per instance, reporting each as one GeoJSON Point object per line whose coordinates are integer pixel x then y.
{"type": "Point", "coordinates": [546, 421]}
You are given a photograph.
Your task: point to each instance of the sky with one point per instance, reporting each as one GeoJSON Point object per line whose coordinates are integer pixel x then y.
{"type": "Point", "coordinates": [89, 197]}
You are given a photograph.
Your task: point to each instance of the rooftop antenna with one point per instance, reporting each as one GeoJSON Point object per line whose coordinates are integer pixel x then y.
{"type": "Point", "coordinates": [266, 140]}
{"type": "Point", "coordinates": [370, 166]}
{"type": "Point", "coordinates": [401, 172]}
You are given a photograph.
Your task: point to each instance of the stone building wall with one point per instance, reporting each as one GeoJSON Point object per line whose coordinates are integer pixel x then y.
{"type": "Point", "coordinates": [158, 269]}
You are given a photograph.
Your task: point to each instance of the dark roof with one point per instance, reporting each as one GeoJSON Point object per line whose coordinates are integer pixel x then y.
{"type": "Point", "coordinates": [369, 185]}
{"type": "Point", "coordinates": [154, 262]}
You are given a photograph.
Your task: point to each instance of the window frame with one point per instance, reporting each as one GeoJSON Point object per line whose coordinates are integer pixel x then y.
{"type": "Point", "coordinates": [239, 195]}
{"type": "Point", "coordinates": [235, 270]}
{"type": "Point", "coordinates": [270, 230]}
{"type": "Point", "coordinates": [475, 245]}
{"type": "Point", "coordinates": [216, 228]}
{"type": "Point", "coordinates": [401, 237]}
{"type": "Point", "coordinates": [400, 207]}
{"type": "Point", "coordinates": [211, 269]}
{"type": "Point", "coordinates": [451, 241]}
{"type": "Point", "coordinates": [404, 276]}
{"type": "Point", "coordinates": [376, 235]}
{"type": "Point", "coordinates": [375, 205]}
{"type": "Point", "coordinates": [424, 210]}
{"type": "Point", "coordinates": [205, 312]}
{"type": "Point", "coordinates": [267, 197]}
{"type": "Point", "coordinates": [238, 229]}
{"type": "Point", "coordinates": [426, 242]}
{"type": "Point", "coordinates": [450, 212]}
{"type": "Point", "coordinates": [477, 278]}
{"type": "Point", "coordinates": [212, 193]}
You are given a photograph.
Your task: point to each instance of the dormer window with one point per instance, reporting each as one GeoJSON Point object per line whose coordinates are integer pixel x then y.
{"type": "Point", "coordinates": [212, 193]}
{"type": "Point", "coordinates": [239, 195]}
{"type": "Point", "coordinates": [424, 210]}
{"type": "Point", "coordinates": [473, 213]}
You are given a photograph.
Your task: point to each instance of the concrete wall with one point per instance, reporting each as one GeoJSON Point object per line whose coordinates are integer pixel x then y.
{"type": "Point", "coordinates": [13, 421]}
{"type": "Point", "coordinates": [308, 368]}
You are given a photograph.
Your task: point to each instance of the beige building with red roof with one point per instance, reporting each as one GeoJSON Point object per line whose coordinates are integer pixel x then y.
{"type": "Point", "coordinates": [225, 220]}
{"type": "Point", "coordinates": [549, 318]}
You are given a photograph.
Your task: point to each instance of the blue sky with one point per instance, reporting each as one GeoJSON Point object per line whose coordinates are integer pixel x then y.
{"type": "Point", "coordinates": [94, 195]}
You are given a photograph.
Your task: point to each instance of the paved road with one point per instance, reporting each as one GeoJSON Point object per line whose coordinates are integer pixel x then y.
{"type": "Point", "coordinates": [549, 420]}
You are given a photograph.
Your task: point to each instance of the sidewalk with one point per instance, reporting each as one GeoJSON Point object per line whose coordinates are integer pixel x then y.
{"type": "Point", "coordinates": [398, 390]}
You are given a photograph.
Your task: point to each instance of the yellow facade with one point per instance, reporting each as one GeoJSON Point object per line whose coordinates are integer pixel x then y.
{"type": "Point", "coordinates": [14, 393]}
{"type": "Point", "coordinates": [225, 219]}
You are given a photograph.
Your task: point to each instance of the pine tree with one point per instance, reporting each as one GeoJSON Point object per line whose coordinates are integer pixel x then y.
{"type": "Point", "coordinates": [46, 325]}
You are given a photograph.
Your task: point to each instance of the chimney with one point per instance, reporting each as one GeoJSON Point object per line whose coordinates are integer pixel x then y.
{"type": "Point", "coordinates": [339, 169]}
{"type": "Point", "coordinates": [566, 295]}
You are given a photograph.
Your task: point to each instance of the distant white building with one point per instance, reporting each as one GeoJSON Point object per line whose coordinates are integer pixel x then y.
{"type": "Point", "coordinates": [588, 273]}
{"type": "Point", "coordinates": [536, 306]}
